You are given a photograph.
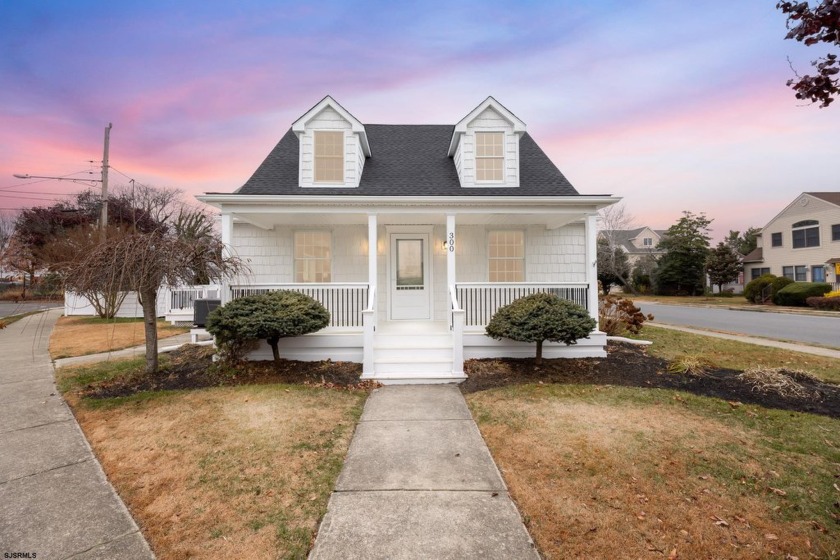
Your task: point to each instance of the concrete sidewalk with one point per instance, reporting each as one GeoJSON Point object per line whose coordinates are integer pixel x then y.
{"type": "Point", "coordinates": [419, 482]}
{"type": "Point", "coordinates": [54, 498]}
{"type": "Point", "coordinates": [164, 345]}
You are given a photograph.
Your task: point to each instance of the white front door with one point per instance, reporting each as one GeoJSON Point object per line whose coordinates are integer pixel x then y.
{"type": "Point", "coordinates": [409, 278]}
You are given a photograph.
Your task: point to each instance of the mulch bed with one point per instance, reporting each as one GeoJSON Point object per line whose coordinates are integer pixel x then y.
{"type": "Point", "coordinates": [191, 367]}
{"type": "Point", "coordinates": [631, 366]}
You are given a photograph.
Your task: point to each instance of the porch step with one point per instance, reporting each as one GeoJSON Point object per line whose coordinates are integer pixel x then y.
{"type": "Point", "coordinates": [409, 341]}
{"type": "Point", "coordinates": [409, 368]}
{"type": "Point", "coordinates": [413, 354]}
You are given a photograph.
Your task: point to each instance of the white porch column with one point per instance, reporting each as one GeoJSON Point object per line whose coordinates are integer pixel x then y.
{"type": "Point", "coordinates": [372, 249]}
{"type": "Point", "coordinates": [227, 241]}
{"type": "Point", "coordinates": [592, 265]}
{"type": "Point", "coordinates": [369, 314]}
{"type": "Point", "coordinates": [450, 250]}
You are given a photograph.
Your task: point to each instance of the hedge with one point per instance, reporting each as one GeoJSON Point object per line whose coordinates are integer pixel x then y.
{"type": "Point", "coordinates": [753, 289]}
{"type": "Point", "coordinates": [796, 294]}
{"type": "Point", "coordinates": [825, 303]}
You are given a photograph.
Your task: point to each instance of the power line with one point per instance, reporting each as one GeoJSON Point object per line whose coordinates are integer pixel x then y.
{"type": "Point", "coordinates": [43, 181]}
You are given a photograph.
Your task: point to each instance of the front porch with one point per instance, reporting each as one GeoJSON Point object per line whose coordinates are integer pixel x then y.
{"type": "Point", "coordinates": [411, 289]}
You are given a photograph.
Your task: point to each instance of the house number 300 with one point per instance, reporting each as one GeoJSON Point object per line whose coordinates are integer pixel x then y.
{"type": "Point", "coordinates": [451, 242]}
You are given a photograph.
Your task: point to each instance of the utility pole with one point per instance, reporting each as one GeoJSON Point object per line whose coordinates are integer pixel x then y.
{"type": "Point", "coordinates": [103, 220]}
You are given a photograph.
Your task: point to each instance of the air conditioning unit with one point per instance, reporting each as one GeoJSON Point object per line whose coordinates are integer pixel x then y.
{"type": "Point", "coordinates": [202, 308]}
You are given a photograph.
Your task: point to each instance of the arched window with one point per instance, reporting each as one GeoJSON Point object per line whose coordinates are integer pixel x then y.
{"type": "Point", "coordinates": [806, 234]}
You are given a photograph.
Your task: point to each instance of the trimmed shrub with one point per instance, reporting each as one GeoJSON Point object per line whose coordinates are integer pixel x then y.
{"type": "Point", "coordinates": [797, 293]}
{"type": "Point", "coordinates": [618, 315]}
{"type": "Point", "coordinates": [753, 289]}
{"type": "Point", "coordinates": [541, 317]}
{"type": "Point", "coordinates": [268, 317]}
{"type": "Point", "coordinates": [825, 303]}
{"type": "Point", "coordinates": [777, 285]}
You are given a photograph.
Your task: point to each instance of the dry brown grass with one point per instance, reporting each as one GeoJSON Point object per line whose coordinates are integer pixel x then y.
{"type": "Point", "coordinates": [604, 478]}
{"type": "Point", "coordinates": [780, 381]}
{"type": "Point", "coordinates": [225, 473]}
{"type": "Point", "coordinates": [79, 336]}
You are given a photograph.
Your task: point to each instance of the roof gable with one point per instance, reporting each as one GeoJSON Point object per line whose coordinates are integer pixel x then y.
{"type": "Point", "coordinates": [802, 200]}
{"type": "Point", "coordinates": [489, 103]}
{"type": "Point", "coordinates": [299, 126]}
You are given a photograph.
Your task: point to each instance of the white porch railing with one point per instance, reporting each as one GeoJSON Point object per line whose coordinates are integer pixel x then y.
{"type": "Point", "coordinates": [480, 300]}
{"type": "Point", "coordinates": [369, 326]}
{"type": "Point", "coordinates": [456, 323]}
{"type": "Point", "coordinates": [344, 301]}
{"type": "Point", "coordinates": [182, 299]}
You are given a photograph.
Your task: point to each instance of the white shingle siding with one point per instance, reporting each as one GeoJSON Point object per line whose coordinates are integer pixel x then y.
{"type": "Point", "coordinates": [550, 256]}
{"type": "Point", "coordinates": [354, 159]}
{"type": "Point", "coordinates": [487, 121]}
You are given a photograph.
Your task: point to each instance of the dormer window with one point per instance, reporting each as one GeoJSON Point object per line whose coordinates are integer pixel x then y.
{"type": "Point", "coordinates": [329, 156]}
{"type": "Point", "coordinates": [489, 156]}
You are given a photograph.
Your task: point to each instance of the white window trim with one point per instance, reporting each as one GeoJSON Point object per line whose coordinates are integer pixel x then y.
{"type": "Point", "coordinates": [524, 253]}
{"type": "Point", "coordinates": [329, 184]}
{"type": "Point", "coordinates": [295, 257]}
{"type": "Point", "coordinates": [818, 227]}
{"type": "Point", "coordinates": [503, 181]}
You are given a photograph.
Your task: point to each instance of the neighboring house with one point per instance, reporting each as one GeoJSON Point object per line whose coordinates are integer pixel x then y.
{"type": "Point", "coordinates": [802, 242]}
{"type": "Point", "coordinates": [412, 236]}
{"type": "Point", "coordinates": [636, 243]}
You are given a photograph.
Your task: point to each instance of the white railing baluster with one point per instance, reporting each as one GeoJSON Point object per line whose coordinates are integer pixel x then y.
{"type": "Point", "coordinates": [344, 301]}
{"type": "Point", "coordinates": [480, 300]}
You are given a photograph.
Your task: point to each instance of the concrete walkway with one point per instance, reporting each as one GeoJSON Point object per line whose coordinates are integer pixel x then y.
{"type": "Point", "coordinates": [769, 342]}
{"type": "Point", "coordinates": [54, 498]}
{"type": "Point", "coordinates": [419, 482]}
{"type": "Point", "coordinates": [164, 345]}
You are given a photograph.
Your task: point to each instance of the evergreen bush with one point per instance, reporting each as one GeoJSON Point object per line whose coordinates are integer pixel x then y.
{"type": "Point", "coordinates": [540, 317]}
{"type": "Point", "coordinates": [797, 293]}
{"type": "Point", "coordinates": [268, 317]}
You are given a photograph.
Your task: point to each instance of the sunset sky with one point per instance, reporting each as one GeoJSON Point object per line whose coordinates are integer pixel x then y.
{"type": "Point", "coordinates": [672, 105]}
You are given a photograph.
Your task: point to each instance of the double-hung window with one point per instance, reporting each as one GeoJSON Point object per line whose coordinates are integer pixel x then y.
{"type": "Point", "coordinates": [800, 273]}
{"type": "Point", "coordinates": [489, 157]}
{"type": "Point", "coordinates": [835, 232]}
{"type": "Point", "coordinates": [506, 252]}
{"type": "Point", "coordinates": [776, 239]}
{"type": "Point", "coordinates": [806, 234]}
{"type": "Point", "coordinates": [313, 256]}
{"type": "Point", "coordinates": [787, 272]}
{"type": "Point", "coordinates": [647, 242]}
{"type": "Point", "coordinates": [329, 156]}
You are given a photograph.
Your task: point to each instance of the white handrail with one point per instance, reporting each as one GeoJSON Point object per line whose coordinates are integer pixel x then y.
{"type": "Point", "coordinates": [371, 305]}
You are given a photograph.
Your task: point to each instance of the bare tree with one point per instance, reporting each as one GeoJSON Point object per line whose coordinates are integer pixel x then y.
{"type": "Point", "coordinates": [7, 228]}
{"type": "Point", "coordinates": [161, 204]}
{"type": "Point", "coordinates": [144, 262]}
{"type": "Point", "coordinates": [613, 221]}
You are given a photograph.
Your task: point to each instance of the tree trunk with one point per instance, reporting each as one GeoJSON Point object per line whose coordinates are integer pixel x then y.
{"type": "Point", "coordinates": [538, 360]}
{"type": "Point", "coordinates": [148, 301]}
{"type": "Point", "coordinates": [273, 342]}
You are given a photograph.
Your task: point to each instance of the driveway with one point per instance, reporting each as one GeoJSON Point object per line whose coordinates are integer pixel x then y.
{"type": "Point", "coordinates": [11, 308]}
{"type": "Point", "coordinates": [807, 329]}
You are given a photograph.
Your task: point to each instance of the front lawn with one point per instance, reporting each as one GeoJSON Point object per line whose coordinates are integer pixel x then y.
{"type": "Point", "coordinates": [222, 472]}
{"type": "Point", "coordinates": [670, 344]}
{"type": "Point", "coordinates": [616, 472]}
{"type": "Point", "coordinates": [79, 336]}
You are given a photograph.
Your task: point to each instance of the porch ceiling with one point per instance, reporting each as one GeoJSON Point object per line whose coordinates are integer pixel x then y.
{"type": "Point", "coordinates": [268, 220]}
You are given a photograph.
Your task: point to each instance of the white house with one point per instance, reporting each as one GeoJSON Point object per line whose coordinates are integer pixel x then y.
{"type": "Point", "coordinates": [636, 243]}
{"type": "Point", "coordinates": [802, 242]}
{"type": "Point", "coordinates": [412, 236]}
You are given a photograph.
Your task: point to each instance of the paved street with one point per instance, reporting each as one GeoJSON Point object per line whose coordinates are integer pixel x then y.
{"type": "Point", "coordinates": [808, 329]}
{"type": "Point", "coordinates": [11, 308]}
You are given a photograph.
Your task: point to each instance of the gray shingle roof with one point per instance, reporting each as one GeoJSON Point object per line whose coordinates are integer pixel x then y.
{"type": "Point", "coordinates": [408, 160]}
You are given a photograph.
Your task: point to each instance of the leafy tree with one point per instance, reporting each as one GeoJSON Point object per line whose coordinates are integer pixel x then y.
{"type": "Point", "coordinates": [540, 317]}
{"type": "Point", "coordinates": [682, 268]}
{"type": "Point", "coordinates": [268, 317]}
{"type": "Point", "coordinates": [643, 272]}
{"type": "Point", "coordinates": [723, 265]}
{"type": "Point", "coordinates": [743, 243]}
{"type": "Point", "coordinates": [811, 26]}
{"type": "Point", "coordinates": [613, 266]}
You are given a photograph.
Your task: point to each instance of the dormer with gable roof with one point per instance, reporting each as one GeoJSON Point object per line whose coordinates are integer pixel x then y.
{"type": "Point", "coordinates": [485, 146]}
{"type": "Point", "coordinates": [333, 146]}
